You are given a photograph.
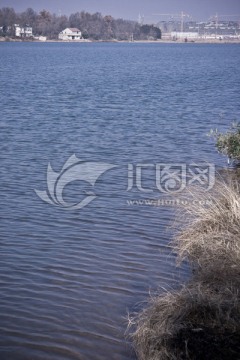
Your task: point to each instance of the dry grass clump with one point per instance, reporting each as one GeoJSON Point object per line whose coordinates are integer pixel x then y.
{"type": "Point", "coordinates": [211, 238]}
{"type": "Point", "coordinates": [202, 320]}
{"type": "Point", "coordinates": [199, 322]}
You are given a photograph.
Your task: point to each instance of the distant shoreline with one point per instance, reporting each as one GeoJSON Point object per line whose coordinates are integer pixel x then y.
{"type": "Point", "coordinates": [199, 41]}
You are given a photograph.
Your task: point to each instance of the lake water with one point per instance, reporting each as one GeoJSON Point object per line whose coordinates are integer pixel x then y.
{"type": "Point", "coordinates": [69, 277]}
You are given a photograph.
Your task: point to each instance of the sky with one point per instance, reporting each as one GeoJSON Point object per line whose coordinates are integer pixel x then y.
{"type": "Point", "coordinates": [130, 9]}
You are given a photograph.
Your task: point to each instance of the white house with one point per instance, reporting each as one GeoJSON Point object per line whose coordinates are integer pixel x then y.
{"type": "Point", "coordinates": [25, 31]}
{"type": "Point", "coordinates": [70, 34]}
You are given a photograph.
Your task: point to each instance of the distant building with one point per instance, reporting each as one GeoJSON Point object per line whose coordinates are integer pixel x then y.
{"type": "Point", "coordinates": [40, 38]}
{"type": "Point", "coordinates": [70, 34]}
{"type": "Point", "coordinates": [218, 29]}
{"type": "Point", "coordinates": [23, 32]}
{"type": "Point", "coordinates": [184, 35]}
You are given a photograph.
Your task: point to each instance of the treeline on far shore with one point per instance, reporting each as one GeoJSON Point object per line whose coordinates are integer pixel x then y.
{"type": "Point", "coordinates": [93, 26]}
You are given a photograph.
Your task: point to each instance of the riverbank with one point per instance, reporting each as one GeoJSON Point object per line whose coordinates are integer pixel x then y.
{"type": "Point", "coordinates": [199, 41]}
{"type": "Point", "coordinates": [202, 320]}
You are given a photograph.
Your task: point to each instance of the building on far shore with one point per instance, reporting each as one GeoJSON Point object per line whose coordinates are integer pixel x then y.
{"type": "Point", "coordinates": [23, 31]}
{"type": "Point", "coordinates": [184, 35]}
{"type": "Point", "coordinates": [70, 34]}
{"type": "Point", "coordinates": [215, 29]}
{"type": "Point", "coordinates": [40, 38]}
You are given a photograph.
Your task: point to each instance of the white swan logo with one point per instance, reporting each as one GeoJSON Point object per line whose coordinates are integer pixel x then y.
{"type": "Point", "coordinates": [74, 169]}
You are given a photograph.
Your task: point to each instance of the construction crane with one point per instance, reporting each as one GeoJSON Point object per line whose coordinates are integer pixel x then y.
{"type": "Point", "coordinates": [225, 16]}
{"type": "Point", "coordinates": [182, 15]}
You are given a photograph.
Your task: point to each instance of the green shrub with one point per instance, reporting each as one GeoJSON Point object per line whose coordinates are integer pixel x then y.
{"type": "Point", "coordinates": [229, 143]}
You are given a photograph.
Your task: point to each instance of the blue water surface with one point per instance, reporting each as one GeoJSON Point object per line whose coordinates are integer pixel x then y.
{"type": "Point", "coordinates": [69, 277]}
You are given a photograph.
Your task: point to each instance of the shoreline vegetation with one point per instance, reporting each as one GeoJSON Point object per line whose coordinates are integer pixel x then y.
{"type": "Point", "coordinates": [93, 27]}
{"type": "Point", "coordinates": [201, 321]}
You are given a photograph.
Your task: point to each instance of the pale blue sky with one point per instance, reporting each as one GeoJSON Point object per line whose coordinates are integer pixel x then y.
{"type": "Point", "coordinates": [129, 9]}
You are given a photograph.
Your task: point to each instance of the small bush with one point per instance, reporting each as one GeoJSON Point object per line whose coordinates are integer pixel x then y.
{"type": "Point", "coordinates": [229, 143]}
